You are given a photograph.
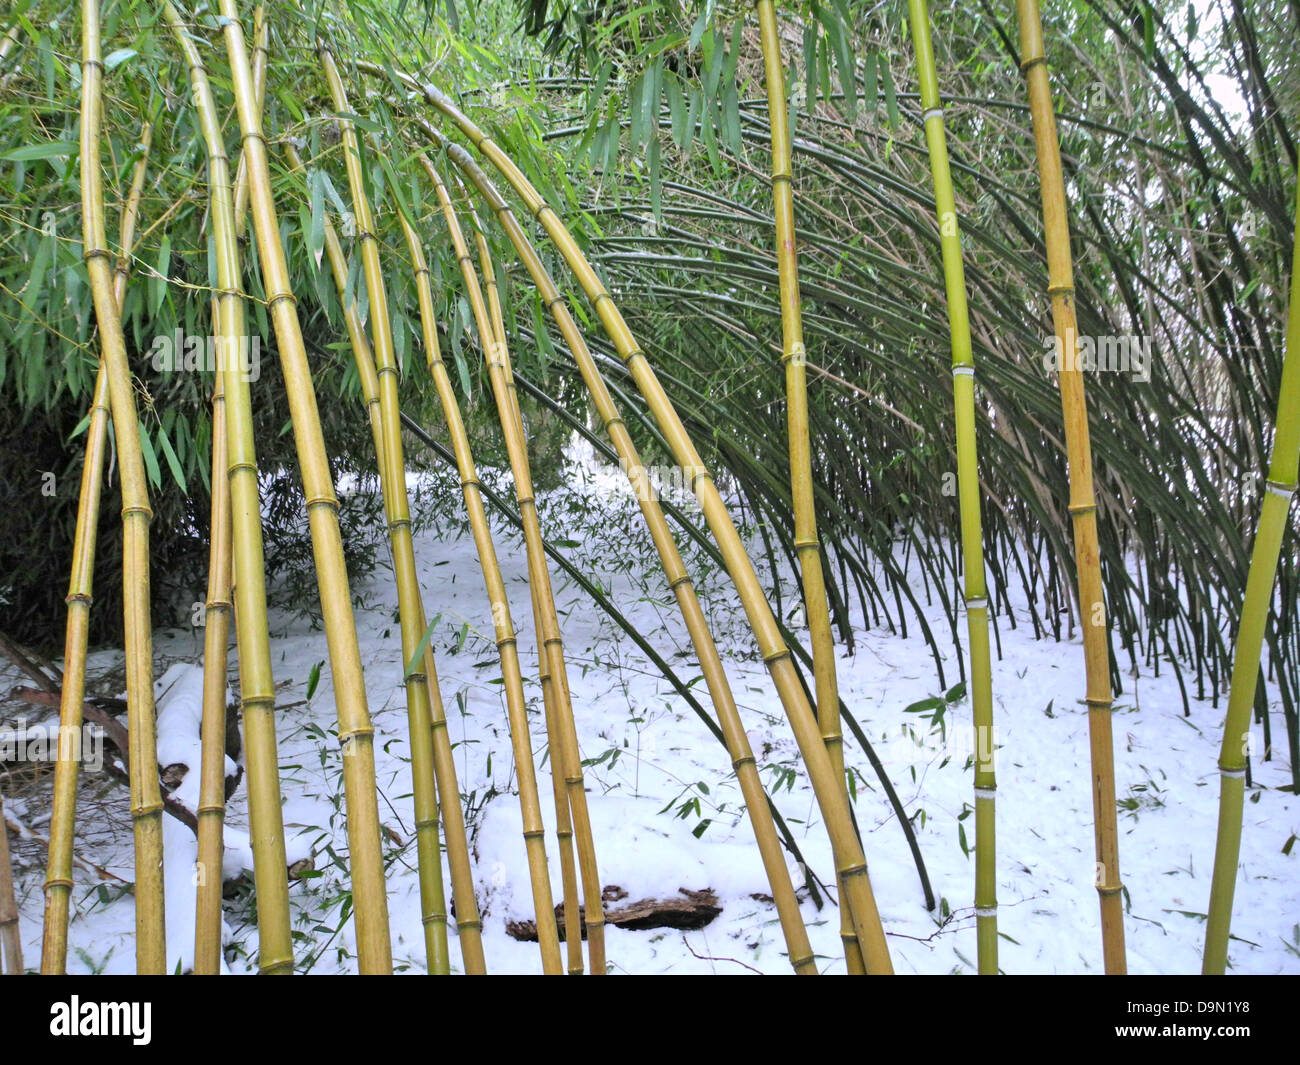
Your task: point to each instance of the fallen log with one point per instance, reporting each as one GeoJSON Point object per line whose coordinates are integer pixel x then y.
{"type": "Point", "coordinates": [685, 911]}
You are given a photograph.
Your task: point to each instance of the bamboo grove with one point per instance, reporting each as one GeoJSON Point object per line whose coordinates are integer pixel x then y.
{"type": "Point", "coordinates": [404, 194]}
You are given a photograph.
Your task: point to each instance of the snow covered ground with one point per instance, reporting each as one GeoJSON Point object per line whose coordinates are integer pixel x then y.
{"type": "Point", "coordinates": [667, 812]}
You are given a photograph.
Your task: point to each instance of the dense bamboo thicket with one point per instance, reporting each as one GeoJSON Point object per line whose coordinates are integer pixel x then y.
{"type": "Point", "coordinates": [738, 176]}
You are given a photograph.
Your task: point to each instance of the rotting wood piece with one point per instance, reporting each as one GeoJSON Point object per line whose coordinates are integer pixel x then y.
{"type": "Point", "coordinates": [689, 910]}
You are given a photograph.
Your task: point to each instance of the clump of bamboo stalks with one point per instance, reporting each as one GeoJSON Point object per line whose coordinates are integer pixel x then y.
{"type": "Point", "coordinates": [831, 797]}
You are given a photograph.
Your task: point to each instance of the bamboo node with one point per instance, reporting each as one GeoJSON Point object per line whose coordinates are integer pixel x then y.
{"type": "Point", "coordinates": [776, 656]}
{"type": "Point", "coordinates": [1077, 509]}
{"type": "Point", "coordinates": [1094, 703]}
{"type": "Point", "coordinates": [78, 597]}
{"type": "Point", "coordinates": [963, 370]}
{"type": "Point", "coordinates": [987, 792]}
{"type": "Point", "coordinates": [1286, 491]}
{"type": "Point", "coordinates": [139, 813]}
{"type": "Point", "coordinates": [859, 869]}
{"type": "Point", "coordinates": [806, 544]}
{"type": "Point", "coordinates": [426, 822]}
{"type": "Point", "coordinates": [677, 582]}
{"type": "Point", "coordinates": [360, 732]}
{"type": "Point", "coordinates": [433, 918]}
{"type": "Point", "coordinates": [1233, 773]}
{"type": "Point", "coordinates": [797, 354]}
{"type": "Point", "coordinates": [986, 911]}
{"type": "Point", "coordinates": [323, 501]}
{"type": "Point", "coordinates": [95, 253]}
{"type": "Point", "coordinates": [534, 833]}
{"type": "Point", "coordinates": [57, 882]}
{"type": "Point", "coordinates": [1033, 61]}
{"type": "Point", "coordinates": [1060, 290]}
{"type": "Point", "coordinates": [977, 602]}
{"type": "Point", "coordinates": [744, 759]}
{"type": "Point", "coordinates": [235, 467]}
{"type": "Point", "coordinates": [138, 510]}
{"type": "Point", "coordinates": [933, 112]}
{"type": "Point", "coordinates": [1114, 889]}
{"type": "Point", "coordinates": [280, 297]}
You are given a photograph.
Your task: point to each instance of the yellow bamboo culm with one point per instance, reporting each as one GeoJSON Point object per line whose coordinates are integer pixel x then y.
{"type": "Point", "coordinates": [146, 794]}
{"type": "Point", "coordinates": [468, 924]}
{"type": "Point", "coordinates": [420, 683]}
{"type": "Point", "coordinates": [794, 357]}
{"type": "Point", "coordinates": [742, 757]}
{"type": "Point", "coordinates": [58, 882]}
{"type": "Point", "coordinates": [219, 606]}
{"type": "Point", "coordinates": [256, 681]}
{"type": "Point", "coordinates": [851, 862]}
{"type": "Point", "coordinates": [11, 943]}
{"type": "Point", "coordinates": [1083, 503]}
{"type": "Point", "coordinates": [356, 735]}
{"type": "Point", "coordinates": [1279, 489]}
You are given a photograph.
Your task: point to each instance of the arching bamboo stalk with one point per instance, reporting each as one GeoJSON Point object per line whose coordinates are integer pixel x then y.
{"type": "Point", "coordinates": [11, 942]}
{"type": "Point", "coordinates": [468, 924]}
{"type": "Point", "coordinates": [1083, 502]}
{"type": "Point", "coordinates": [58, 882]}
{"type": "Point", "coordinates": [807, 545]}
{"type": "Point", "coordinates": [976, 592]}
{"type": "Point", "coordinates": [851, 861]}
{"type": "Point", "coordinates": [420, 686]}
{"type": "Point", "coordinates": [800, 951]}
{"type": "Point", "coordinates": [1278, 491]}
{"type": "Point", "coordinates": [547, 628]}
{"type": "Point", "coordinates": [356, 735]}
{"type": "Point", "coordinates": [146, 795]}
{"type": "Point", "coordinates": [256, 681]}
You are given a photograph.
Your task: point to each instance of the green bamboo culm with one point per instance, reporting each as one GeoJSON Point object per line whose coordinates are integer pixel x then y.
{"type": "Point", "coordinates": [794, 357]}
{"type": "Point", "coordinates": [58, 883]}
{"type": "Point", "coordinates": [392, 475]}
{"type": "Point", "coordinates": [146, 794]}
{"type": "Point", "coordinates": [968, 493]}
{"type": "Point", "coordinates": [1083, 500]}
{"type": "Point", "coordinates": [356, 734]}
{"type": "Point", "coordinates": [675, 573]}
{"type": "Point", "coordinates": [256, 680]}
{"type": "Point", "coordinates": [1278, 491]}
